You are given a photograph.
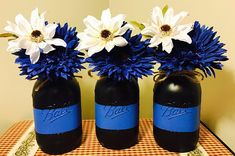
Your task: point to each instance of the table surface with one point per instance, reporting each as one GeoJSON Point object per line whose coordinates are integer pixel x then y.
{"type": "Point", "coordinates": [91, 146]}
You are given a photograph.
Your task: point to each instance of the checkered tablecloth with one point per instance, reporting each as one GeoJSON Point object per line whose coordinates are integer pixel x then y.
{"type": "Point", "coordinates": [90, 145]}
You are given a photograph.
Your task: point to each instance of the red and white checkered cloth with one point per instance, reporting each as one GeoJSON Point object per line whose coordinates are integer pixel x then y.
{"type": "Point", "coordinates": [91, 146]}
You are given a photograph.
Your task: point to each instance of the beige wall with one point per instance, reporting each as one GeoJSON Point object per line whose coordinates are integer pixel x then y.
{"type": "Point", "coordinates": [218, 103]}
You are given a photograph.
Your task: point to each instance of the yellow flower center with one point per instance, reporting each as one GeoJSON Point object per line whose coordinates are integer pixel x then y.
{"type": "Point", "coordinates": [106, 35]}
{"type": "Point", "coordinates": [166, 30]}
{"type": "Point", "coordinates": [37, 36]}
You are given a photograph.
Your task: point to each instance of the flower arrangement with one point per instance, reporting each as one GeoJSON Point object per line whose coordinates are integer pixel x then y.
{"type": "Point", "coordinates": [44, 50]}
{"type": "Point", "coordinates": [181, 48]}
{"type": "Point", "coordinates": [112, 50]}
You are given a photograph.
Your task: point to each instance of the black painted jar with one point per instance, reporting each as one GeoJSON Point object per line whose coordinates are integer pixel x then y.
{"type": "Point", "coordinates": [117, 113]}
{"type": "Point", "coordinates": [177, 101]}
{"type": "Point", "coordinates": [57, 115]}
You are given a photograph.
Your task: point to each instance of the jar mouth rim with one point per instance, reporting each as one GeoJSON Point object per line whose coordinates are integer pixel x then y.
{"type": "Point", "coordinates": [192, 74]}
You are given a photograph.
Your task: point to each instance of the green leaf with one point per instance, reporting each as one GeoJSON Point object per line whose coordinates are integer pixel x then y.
{"type": "Point", "coordinates": [11, 39]}
{"type": "Point", "coordinates": [8, 35]}
{"type": "Point", "coordinates": [164, 10]}
{"type": "Point", "coordinates": [147, 36]}
{"type": "Point", "coordinates": [138, 25]}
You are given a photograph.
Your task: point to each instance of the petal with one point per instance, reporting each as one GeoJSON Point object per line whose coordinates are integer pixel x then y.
{"type": "Point", "coordinates": [12, 28]}
{"type": "Point", "coordinates": [50, 30]}
{"type": "Point", "coordinates": [34, 57]}
{"type": "Point", "coordinates": [183, 37]}
{"type": "Point", "coordinates": [13, 46]}
{"type": "Point", "coordinates": [34, 18]}
{"type": "Point", "coordinates": [106, 18]}
{"type": "Point", "coordinates": [91, 32]}
{"type": "Point", "coordinates": [34, 53]}
{"type": "Point", "coordinates": [86, 44]}
{"type": "Point", "coordinates": [123, 29]}
{"type": "Point", "coordinates": [86, 41]}
{"type": "Point", "coordinates": [46, 48]}
{"type": "Point", "coordinates": [82, 35]}
{"type": "Point", "coordinates": [185, 28]}
{"type": "Point", "coordinates": [178, 18]}
{"type": "Point", "coordinates": [42, 15]}
{"type": "Point", "coordinates": [37, 21]}
{"type": "Point", "coordinates": [167, 45]}
{"type": "Point", "coordinates": [168, 16]}
{"type": "Point", "coordinates": [83, 46]}
{"type": "Point", "coordinates": [117, 22]}
{"type": "Point", "coordinates": [157, 17]}
{"type": "Point", "coordinates": [41, 23]}
{"type": "Point", "coordinates": [96, 49]}
{"type": "Point", "coordinates": [120, 41]}
{"type": "Point", "coordinates": [56, 42]}
{"type": "Point", "coordinates": [155, 41]}
{"type": "Point", "coordinates": [42, 45]}
{"type": "Point", "coordinates": [24, 43]}
{"type": "Point", "coordinates": [23, 25]}
{"type": "Point", "coordinates": [151, 31]}
{"type": "Point", "coordinates": [32, 48]}
{"type": "Point", "coordinates": [109, 46]}
{"type": "Point", "coordinates": [92, 23]}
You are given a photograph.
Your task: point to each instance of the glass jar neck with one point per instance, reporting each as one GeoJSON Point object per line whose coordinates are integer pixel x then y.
{"type": "Point", "coordinates": [193, 75]}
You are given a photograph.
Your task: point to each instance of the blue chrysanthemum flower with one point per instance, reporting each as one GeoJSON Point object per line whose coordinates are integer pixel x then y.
{"type": "Point", "coordinates": [124, 63]}
{"type": "Point", "coordinates": [205, 53]}
{"type": "Point", "coordinates": [62, 62]}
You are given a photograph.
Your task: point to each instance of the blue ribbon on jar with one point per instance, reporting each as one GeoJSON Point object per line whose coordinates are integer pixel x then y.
{"type": "Point", "coordinates": [117, 117]}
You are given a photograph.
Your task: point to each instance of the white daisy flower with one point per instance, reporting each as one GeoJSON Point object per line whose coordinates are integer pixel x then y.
{"type": "Point", "coordinates": [34, 36]}
{"type": "Point", "coordinates": [164, 28]}
{"type": "Point", "coordinates": [105, 33]}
